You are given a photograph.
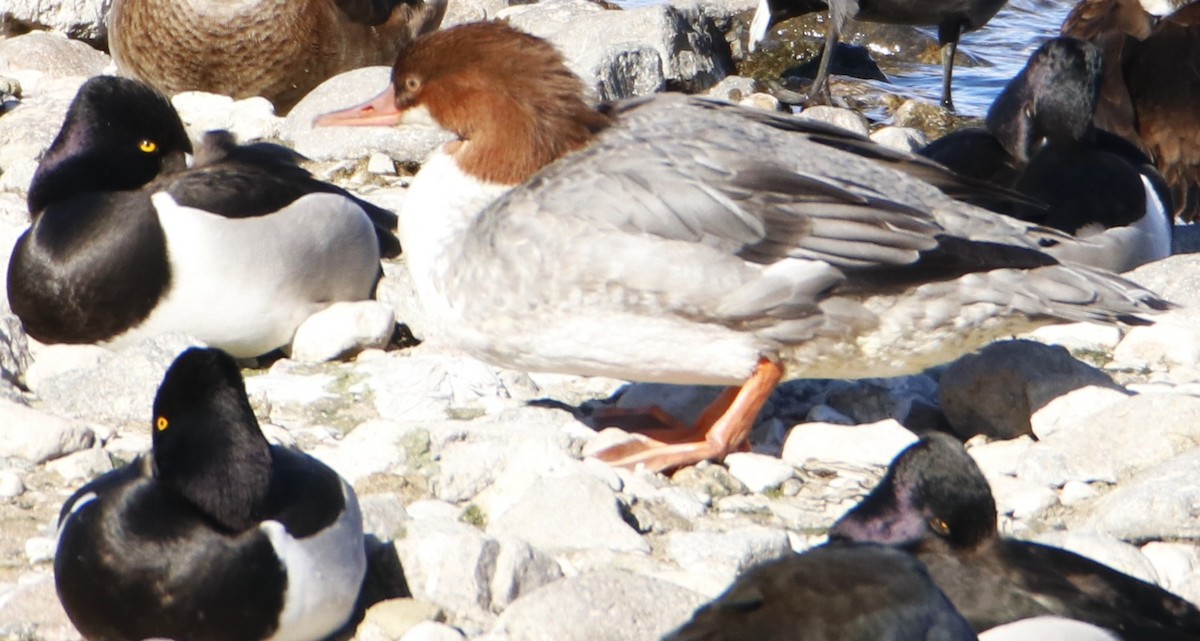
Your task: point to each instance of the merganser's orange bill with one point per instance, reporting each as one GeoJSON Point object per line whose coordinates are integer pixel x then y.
{"type": "Point", "coordinates": [380, 111]}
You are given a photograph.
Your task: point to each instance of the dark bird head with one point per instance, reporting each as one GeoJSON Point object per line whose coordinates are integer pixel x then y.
{"type": "Point", "coordinates": [933, 492]}
{"type": "Point", "coordinates": [119, 134]}
{"type": "Point", "coordinates": [1053, 98]}
{"type": "Point", "coordinates": [207, 443]}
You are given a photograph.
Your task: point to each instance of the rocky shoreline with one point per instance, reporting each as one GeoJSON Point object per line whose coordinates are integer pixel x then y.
{"type": "Point", "coordinates": [475, 479]}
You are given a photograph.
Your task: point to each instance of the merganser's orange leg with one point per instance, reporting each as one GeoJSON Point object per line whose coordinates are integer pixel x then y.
{"type": "Point", "coordinates": [655, 424]}
{"type": "Point", "coordinates": [738, 411]}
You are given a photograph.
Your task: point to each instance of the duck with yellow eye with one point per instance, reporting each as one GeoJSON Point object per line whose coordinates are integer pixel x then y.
{"type": "Point", "coordinates": [127, 241]}
{"type": "Point", "coordinates": [935, 503]}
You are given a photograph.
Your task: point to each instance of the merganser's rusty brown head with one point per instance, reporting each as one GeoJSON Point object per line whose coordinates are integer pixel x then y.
{"type": "Point", "coordinates": [498, 89]}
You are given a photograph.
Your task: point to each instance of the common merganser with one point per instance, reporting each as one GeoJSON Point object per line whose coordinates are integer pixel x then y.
{"type": "Point", "coordinates": [682, 240]}
{"type": "Point", "coordinates": [1151, 83]}
{"type": "Point", "coordinates": [278, 49]}
{"type": "Point", "coordinates": [952, 18]}
{"type": "Point", "coordinates": [1040, 141]}
{"type": "Point", "coordinates": [126, 242]}
{"type": "Point", "coordinates": [936, 504]}
{"type": "Point", "coordinates": [215, 535]}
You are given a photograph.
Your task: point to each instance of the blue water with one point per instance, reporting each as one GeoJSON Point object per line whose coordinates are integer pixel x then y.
{"type": "Point", "coordinates": [1001, 47]}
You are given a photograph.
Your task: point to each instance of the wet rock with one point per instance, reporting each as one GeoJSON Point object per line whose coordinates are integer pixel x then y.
{"type": "Point", "coordinates": [569, 513]}
{"type": "Point", "coordinates": [996, 390]}
{"type": "Point", "coordinates": [874, 444]}
{"type": "Point", "coordinates": [926, 117]}
{"type": "Point", "coordinates": [38, 436]}
{"type": "Point", "coordinates": [1158, 504]}
{"type": "Point", "coordinates": [733, 88]}
{"type": "Point", "coordinates": [609, 605]}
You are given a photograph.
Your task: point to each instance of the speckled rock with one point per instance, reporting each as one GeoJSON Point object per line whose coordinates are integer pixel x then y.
{"type": "Point", "coordinates": [38, 436]}
{"type": "Point", "coordinates": [847, 119]}
{"type": "Point", "coordinates": [82, 19]}
{"type": "Point", "coordinates": [905, 139]}
{"type": "Point", "coordinates": [570, 513]}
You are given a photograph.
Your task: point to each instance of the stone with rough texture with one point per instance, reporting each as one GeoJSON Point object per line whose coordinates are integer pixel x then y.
{"type": "Point", "coordinates": [873, 444]}
{"type": "Point", "coordinates": [48, 55]}
{"type": "Point", "coordinates": [451, 564]}
{"type": "Point", "coordinates": [569, 513]}
{"type": "Point", "coordinates": [374, 447]}
{"type": "Point", "coordinates": [432, 631]}
{"type": "Point", "coordinates": [608, 605]}
{"type": "Point", "coordinates": [249, 120]}
{"type": "Point", "coordinates": [81, 19]}
{"type": "Point", "coordinates": [1115, 442]}
{"type": "Point", "coordinates": [1093, 337]}
{"type": "Point", "coordinates": [758, 472]}
{"type": "Point", "coordinates": [997, 389]}
{"type": "Point", "coordinates": [391, 619]}
{"type": "Point", "coordinates": [14, 349]}
{"type": "Point", "coordinates": [1176, 565]}
{"type": "Point", "coordinates": [520, 569]}
{"type": "Point", "coordinates": [120, 388]}
{"type": "Point", "coordinates": [1160, 503]}
{"type": "Point", "coordinates": [633, 52]}
{"type": "Point", "coordinates": [727, 553]}
{"type": "Point", "coordinates": [34, 605]}
{"type": "Point", "coordinates": [82, 465]}
{"type": "Point", "coordinates": [11, 485]}
{"type": "Point", "coordinates": [38, 436]}
{"type": "Point", "coordinates": [1067, 410]}
{"type": "Point", "coordinates": [343, 328]}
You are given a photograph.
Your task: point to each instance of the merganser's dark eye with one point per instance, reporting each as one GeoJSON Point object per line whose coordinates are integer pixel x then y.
{"type": "Point", "coordinates": [148, 146]}
{"type": "Point", "coordinates": [412, 83]}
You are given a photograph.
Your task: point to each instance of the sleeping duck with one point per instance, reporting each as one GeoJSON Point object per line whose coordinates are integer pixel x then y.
{"type": "Point", "coordinates": [278, 49]}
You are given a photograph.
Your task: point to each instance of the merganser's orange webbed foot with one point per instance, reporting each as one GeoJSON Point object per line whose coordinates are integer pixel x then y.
{"type": "Point", "coordinates": [721, 429]}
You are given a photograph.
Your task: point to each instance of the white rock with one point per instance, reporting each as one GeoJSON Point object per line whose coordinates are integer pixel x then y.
{"type": "Point", "coordinates": [83, 465]}
{"type": "Point", "coordinates": [1160, 503]}
{"type": "Point", "coordinates": [905, 139]}
{"type": "Point", "coordinates": [569, 513]}
{"type": "Point", "coordinates": [432, 631]}
{"type": "Point", "coordinates": [1073, 406]}
{"type": "Point", "coordinates": [1104, 549]}
{"type": "Point", "coordinates": [1046, 628]}
{"type": "Point", "coordinates": [847, 119]}
{"type": "Point", "coordinates": [418, 385]}
{"type": "Point", "coordinates": [38, 436]}
{"type": "Point", "coordinates": [727, 553]}
{"type": "Point", "coordinates": [607, 605]}
{"type": "Point", "coordinates": [1076, 492]}
{"type": "Point", "coordinates": [1116, 442]}
{"type": "Point", "coordinates": [520, 569]}
{"type": "Point", "coordinates": [1095, 337]}
{"type": "Point", "coordinates": [373, 447]}
{"type": "Point", "coordinates": [52, 54]}
{"type": "Point", "coordinates": [55, 360]}
{"type": "Point", "coordinates": [383, 514]}
{"type": "Point", "coordinates": [1022, 499]}
{"type": "Point", "coordinates": [343, 328]}
{"type": "Point", "coordinates": [1172, 342]}
{"type": "Point", "coordinates": [11, 485]}
{"type": "Point", "coordinates": [18, 175]}
{"type": "Point", "coordinates": [1176, 564]}
{"type": "Point", "coordinates": [381, 165]}
{"type": "Point", "coordinates": [451, 564]}
{"type": "Point", "coordinates": [759, 472]}
{"type": "Point", "coordinates": [40, 549]}
{"type": "Point", "coordinates": [759, 100]}
{"type": "Point", "coordinates": [873, 444]}
{"type": "Point", "coordinates": [998, 458]}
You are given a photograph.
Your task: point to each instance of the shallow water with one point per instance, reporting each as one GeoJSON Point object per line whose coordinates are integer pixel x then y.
{"type": "Point", "coordinates": [1001, 48]}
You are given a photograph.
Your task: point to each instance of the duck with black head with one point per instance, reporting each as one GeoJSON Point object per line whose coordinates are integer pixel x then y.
{"type": "Point", "coordinates": [215, 535]}
{"type": "Point", "coordinates": [1083, 180]}
{"type": "Point", "coordinates": [935, 503]}
{"type": "Point", "coordinates": [127, 242]}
